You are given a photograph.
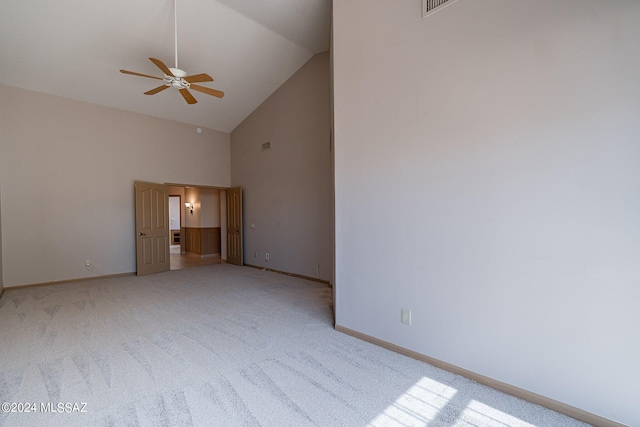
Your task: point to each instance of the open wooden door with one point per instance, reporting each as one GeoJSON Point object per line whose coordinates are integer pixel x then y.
{"type": "Point", "coordinates": [152, 228]}
{"type": "Point", "coordinates": [234, 226]}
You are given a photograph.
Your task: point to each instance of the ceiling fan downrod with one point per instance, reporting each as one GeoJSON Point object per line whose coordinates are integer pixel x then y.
{"type": "Point", "coordinates": [177, 82]}
{"type": "Point", "coordinates": [175, 28]}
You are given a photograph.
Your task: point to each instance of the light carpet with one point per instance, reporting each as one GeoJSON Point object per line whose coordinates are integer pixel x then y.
{"type": "Point", "coordinates": [220, 346]}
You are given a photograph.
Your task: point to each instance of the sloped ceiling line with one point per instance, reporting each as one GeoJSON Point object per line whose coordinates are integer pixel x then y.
{"type": "Point", "coordinates": [75, 50]}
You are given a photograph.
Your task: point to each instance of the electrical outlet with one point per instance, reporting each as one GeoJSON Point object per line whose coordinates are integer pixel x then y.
{"type": "Point", "coordinates": [405, 316]}
{"type": "Point", "coordinates": [266, 257]}
{"type": "Point", "coordinates": [87, 264]}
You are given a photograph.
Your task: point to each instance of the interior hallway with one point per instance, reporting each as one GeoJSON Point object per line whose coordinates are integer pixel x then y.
{"type": "Point", "coordinates": [188, 260]}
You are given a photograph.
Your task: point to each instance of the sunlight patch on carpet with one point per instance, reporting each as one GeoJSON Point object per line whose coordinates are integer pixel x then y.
{"type": "Point", "coordinates": [418, 406]}
{"type": "Point", "coordinates": [479, 414]}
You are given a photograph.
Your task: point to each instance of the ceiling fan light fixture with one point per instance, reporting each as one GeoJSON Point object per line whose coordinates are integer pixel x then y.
{"type": "Point", "coordinates": [178, 72]}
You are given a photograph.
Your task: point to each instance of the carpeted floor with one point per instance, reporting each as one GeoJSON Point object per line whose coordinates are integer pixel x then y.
{"type": "Point", "coordinates": [220, 346]}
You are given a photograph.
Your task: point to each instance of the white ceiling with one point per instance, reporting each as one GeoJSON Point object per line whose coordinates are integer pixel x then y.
{"type": "Point", "coordinates": [74, 48]}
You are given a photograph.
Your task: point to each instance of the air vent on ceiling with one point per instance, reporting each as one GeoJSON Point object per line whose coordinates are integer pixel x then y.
{"type": "Point", "coordinates": [266, 146]}
{"type": "Point", "coordinates": [430, 7]}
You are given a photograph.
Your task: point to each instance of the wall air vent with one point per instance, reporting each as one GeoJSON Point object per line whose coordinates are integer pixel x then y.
{"type": "Point", "coordinates": [266, 146]}
{"type": "Point", "coordinates": [430, 7]}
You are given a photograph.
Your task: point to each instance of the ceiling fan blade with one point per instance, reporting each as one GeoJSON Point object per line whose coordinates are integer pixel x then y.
{"type": "Point", "coordinates": [161, 65]}
{"type": "Point", "coordinates": [139, 74]}
{"type": "Point", "coordinates": [156, 90]}
{"type": "Point", "coordinates": [187, 96]}
{"type": "Point", "coordinates": [208, 91]}
{"type": "Point", "coordinates": [199, 78]}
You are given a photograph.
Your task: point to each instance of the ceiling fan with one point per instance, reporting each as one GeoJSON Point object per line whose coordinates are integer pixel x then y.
{"type": "Point", "coordinates": [177, 78]}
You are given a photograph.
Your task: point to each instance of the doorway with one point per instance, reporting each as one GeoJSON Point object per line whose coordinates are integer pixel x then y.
{"type": "Point", "coordinates": [175, 219]}
{"type": "Point", "coordinates": [196, 217]}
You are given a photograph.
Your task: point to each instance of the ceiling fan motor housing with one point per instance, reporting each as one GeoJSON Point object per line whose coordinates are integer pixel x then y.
{"type": "Point", "coordinates": [177, 80]}
{"type": "Point", "coordinates": [177, 83]}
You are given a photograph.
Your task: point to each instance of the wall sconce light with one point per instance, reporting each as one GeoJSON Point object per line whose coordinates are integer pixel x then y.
{"type": "Point", "coordinates": [189, 206]}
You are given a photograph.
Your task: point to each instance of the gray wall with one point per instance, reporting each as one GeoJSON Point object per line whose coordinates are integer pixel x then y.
{"type": "Point", "coordinates": [487, 178]}
{"type": "Point", "coordinates": [287, 189]}
{"type": "Point", "coordinates": [69, 167]}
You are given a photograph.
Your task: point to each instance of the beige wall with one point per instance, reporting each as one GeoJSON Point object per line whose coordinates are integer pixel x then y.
{"type": "Point", "coordinates": [210, 207]}
{"type": "Point", "coordinates": [192, 195]}
{"type": "Point", "coordinates": [69, 168]}
{"type": "Point", "coordinates": [206, 211]}
{"type": "Point", "coordinates": [1, 275]}
{"type": "Point", "coordinates": [287, 189]}
{"type": "Point", "coordinates": [504, 136]}
{"type": "Point", "coordinates": [206, 215]}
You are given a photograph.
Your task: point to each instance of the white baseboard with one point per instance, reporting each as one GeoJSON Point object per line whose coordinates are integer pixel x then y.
{"type": "Point", "coordinates": [554, 405]}
{"type": "Point", "coordinates": [58, 282]}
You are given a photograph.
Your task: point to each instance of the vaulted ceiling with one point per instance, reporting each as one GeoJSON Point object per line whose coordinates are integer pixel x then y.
{"type": "Point", "coordinates": [74, 48]}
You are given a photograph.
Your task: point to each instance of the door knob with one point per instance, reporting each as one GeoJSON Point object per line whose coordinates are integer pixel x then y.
{"type": "Point", "coordinates": [141, 234]}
